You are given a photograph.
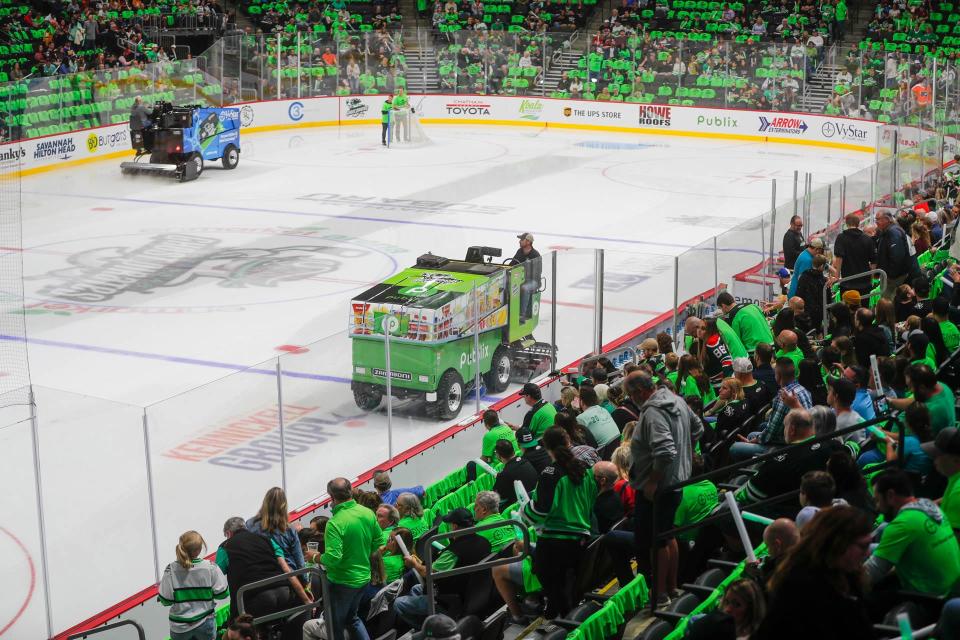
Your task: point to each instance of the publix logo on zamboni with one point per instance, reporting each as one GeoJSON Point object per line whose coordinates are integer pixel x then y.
{"type": "Point", "coordinates": [468, 107]}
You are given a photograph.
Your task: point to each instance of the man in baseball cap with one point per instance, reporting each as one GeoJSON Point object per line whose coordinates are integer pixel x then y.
{"type": "Point", "coordinates": [532, 269]}
{"type": "Point", "coordinates": [463, 551]}
{"type": "Point", "coordinates": [540, 416]}
{"type": "Point", "coordinates": [945, 451]}
{"type": "Point", "coordinates": [439, 626]}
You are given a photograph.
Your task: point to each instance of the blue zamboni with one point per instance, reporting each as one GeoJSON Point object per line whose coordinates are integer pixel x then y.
{"type": "Point", "coordinates": [180, 139]}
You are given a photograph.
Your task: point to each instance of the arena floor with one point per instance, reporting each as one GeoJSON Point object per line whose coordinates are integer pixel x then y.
{"type": "Point", "coordinates": [143, 292]}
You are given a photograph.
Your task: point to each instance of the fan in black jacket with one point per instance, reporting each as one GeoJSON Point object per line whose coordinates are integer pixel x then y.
{"type": "Point", "coordinates": [868, 338]}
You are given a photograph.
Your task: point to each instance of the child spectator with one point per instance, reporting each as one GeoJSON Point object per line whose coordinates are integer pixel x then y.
{"type": "Point", "coordinates": [190, 587]}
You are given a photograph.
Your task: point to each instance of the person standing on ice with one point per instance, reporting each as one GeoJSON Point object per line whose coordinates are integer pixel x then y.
{"type": "Point", "coordinates": [401, 115]}
{"type": "Point", "coordinates": [385, 118]}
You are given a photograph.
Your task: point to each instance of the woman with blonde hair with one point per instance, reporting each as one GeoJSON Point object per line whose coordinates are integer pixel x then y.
{"type": "Point", "coordinates": [730, 409]}
{"type": "Point", "coordinates": [273, 523]}
{"type": "Point", "coordinates": [190, 587]}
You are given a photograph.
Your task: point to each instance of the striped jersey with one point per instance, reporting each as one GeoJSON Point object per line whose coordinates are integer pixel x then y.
{"type": "Point", "coordinates": [191, 593]}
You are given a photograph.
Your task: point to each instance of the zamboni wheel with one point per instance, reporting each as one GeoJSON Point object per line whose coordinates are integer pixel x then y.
{"type": "Point", "coordinates": [231, 157]}
{"type": "Point", "coordinates": [367, 396]}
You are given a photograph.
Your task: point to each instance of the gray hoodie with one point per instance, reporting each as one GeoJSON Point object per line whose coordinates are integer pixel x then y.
{"type": "Point", "coordinates": [663, 440]}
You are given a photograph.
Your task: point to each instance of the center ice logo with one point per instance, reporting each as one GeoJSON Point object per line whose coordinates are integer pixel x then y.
{"type": "Point", "coordinates": [175, 260]}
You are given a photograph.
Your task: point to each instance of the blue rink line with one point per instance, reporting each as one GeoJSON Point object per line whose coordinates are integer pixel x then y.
{"type": "Point", "coordinates": [183, 360]}
{"type": "Point", "coordinates": [347, 216]}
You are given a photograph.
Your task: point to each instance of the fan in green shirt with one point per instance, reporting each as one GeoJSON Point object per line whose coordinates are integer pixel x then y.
{"type": "Point", "coordinates": [945, 451]}
{"type": "Point", "coordinates": [393, 556]}
{"type": "Point", "coordinates": [747, 321]}
{"type": "Point", "coordinates": [541, 414]}
{"type": "Point", "coordinates": [696, 503]}
{"type": "Point", "coordinates": [349, 564]}
{"type": "Point", "coordinates": [486, 509]}
{"type": "Point", "coordinates": [919, 542]}
{"type": "Point", "coordinates": [496, 430]}
{"type": "Point", "coordinates": [731, 339]}
{"type": "Point", "coordinates": [411, 514]}
{"type": "Point", "coordinates": [789, 349]}
{"type": "Point", "coordinates": [951, 335]}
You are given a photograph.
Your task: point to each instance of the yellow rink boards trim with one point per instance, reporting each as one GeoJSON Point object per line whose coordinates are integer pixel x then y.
{"type": "Point", "coordinates": [67, 164]}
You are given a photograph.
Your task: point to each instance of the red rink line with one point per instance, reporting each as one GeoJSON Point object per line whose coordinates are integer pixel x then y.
{"type": "Point", "coordinates": [33, 581]}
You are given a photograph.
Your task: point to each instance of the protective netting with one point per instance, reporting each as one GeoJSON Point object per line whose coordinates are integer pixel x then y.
{"type": "Point", "coordinates": [405, 129]}
{"type": "Point", "coordinates": [14, 368]}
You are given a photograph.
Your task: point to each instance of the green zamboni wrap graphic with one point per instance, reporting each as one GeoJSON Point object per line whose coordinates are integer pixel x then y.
{"type": "Point", "coordinates": [419, 367]}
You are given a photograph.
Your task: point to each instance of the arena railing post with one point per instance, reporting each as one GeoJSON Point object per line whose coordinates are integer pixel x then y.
{"type": "Point", "coordinates": [148, 463]}
{"type": "Point", "coordinates": [829, 202]}
{"type": "Point", "coordinates": [843, 197]}
{"type": "Point", "coordinates": [387, 325]}
{"type": "Point", "coordinates": [553, 307]}
{"type": "Point", "coordinates": [283, 441]}
{"type": "Point", "coordinates": [796, 181]}
{"type": "Point", "coordinates": [716, 270]}
{"type": "Point", "coordinates": [476, 346]}
{"type": "Point", "coordinates": [674, 330]}
{"type": "Point", "coordinates": [41, 521]}
{"type": "Point", "coordinates": [597, 301]}
{"type": "Point", "coordinates": [773, 221]}
{"type": "Point", "coordinates": [895, 167]}
{"type": "Point", "coordinates": [299, 65]}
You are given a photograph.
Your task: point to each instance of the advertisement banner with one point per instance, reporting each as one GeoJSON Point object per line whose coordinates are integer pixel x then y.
{"type": "Point", "coordinates": [796, 128]}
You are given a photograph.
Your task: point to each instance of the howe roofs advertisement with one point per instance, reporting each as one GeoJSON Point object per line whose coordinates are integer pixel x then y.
{"type": "Point", "coordinates": [782, 124]}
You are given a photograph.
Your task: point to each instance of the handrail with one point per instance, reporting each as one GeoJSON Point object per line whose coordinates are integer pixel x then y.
{"type": "Point", "coordinates": [285, 577]}
{"type": "Point", "coordinates": [857, 276]}
{"type": "Point", "coordinates": [110, 627]}
{"type": "Point", "coordinates": [485, 564]}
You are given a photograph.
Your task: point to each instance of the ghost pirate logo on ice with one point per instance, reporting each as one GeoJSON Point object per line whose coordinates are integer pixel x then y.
{"type": "Point", "coordinates": [63, 148]}
{"type": "Point", "coordinates": [782, 124]}
{"type": "Point", "coordinates": [174, 260]}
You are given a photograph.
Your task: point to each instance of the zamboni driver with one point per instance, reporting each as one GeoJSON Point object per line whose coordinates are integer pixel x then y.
{"type": "Point", "coordinates": [139, 116]}
{"type": "Point", "coordinates": [530, 259]}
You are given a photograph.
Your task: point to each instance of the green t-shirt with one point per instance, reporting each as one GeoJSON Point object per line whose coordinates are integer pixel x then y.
{"type": "Point", "coordinates": [751, 325]}
{"type": "Point", "coordinates": [393, 564]}
{"type": "Point", "coordinates": [841, 11]}
{"type": "Point", "coordinates": [951, 335]}
{"type": "Point", "coordinates": [543, 419]}
{"type": "Point", "coordinates": [943, 412]}
{"type": "Point", "coordinates": [349, 564]}
{"type": "Point", "coordinates": [950, 505]}
{"type": "Point", "coordinates": [499, 432]}
{"type": "Point", "coordinates": [731, 339]}
{"type": "Point", "coordinates": [385, 111]}
{"type": "Point", "coordinates": [499, 538]}
{"type": "Point", "coordinates": [696, 503]}
{"type": "Point", "coordinates": [796, 355]}
{"type": "Point", "coordinates": [924, 551]}
{"type": "Point", "coordinates": [690, 388]}
{"type": "Point", "coordinates": [417, 526]}
{"type": "Point", "coordinates": [400, 102]}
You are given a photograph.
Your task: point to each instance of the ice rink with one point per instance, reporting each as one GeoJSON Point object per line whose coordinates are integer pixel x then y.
{"type": "Point", "coordinates": [146, 297]}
